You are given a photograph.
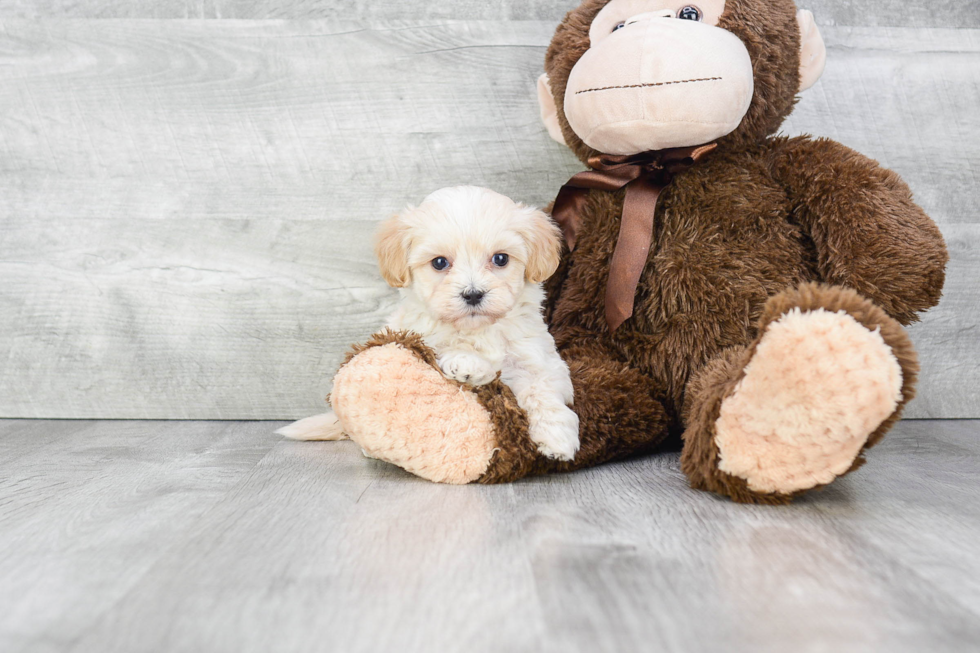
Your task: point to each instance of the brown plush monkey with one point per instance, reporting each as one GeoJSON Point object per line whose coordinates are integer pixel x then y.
{"type": "Point", "coordinates": [747, 299]}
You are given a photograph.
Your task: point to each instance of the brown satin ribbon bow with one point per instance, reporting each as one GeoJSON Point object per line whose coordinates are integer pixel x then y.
{"type": "Point", "coordinates": [644, 176]}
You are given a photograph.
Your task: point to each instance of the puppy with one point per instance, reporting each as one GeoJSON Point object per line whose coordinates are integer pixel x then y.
{"type": "Point", "coordinates": [468, 263]}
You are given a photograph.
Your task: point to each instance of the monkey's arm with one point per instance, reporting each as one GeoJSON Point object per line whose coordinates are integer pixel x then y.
{"type": "Point", "coordinates": [869, 234]}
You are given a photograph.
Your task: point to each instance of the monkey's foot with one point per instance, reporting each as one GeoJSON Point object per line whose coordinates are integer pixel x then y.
{"type": "Point", "coordinates": [400, 409]}
{"type": "Point", "coordinates": [826, 378]}
{"type": "Point", "coordinates": [817, 386]}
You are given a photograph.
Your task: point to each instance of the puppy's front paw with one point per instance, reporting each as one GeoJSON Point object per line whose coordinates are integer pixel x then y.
{"type": "Point", "coordinates": [555, 431]}
{"type": "Point", "coordinates": [467, 367]}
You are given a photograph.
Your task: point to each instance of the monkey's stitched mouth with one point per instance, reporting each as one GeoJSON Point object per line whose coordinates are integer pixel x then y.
{"type": "Point", "coordinates": [684, 81]}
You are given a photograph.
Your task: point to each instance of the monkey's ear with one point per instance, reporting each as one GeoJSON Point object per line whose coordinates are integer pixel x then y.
{"type": "Point", "coordinates": [391, 247]}
{"type": "Point", "coordinates": [813, 52]}
{"type": "Point", "coordinates": [549, 111]}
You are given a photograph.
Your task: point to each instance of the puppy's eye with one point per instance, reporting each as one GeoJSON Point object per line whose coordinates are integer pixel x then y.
{"type": "Point", "coordinates": [440, 263]}
{"type": "Point", "coordinates": [689, 12]}
{"type": "Point", "coordinates": [619, 25]}
{"type": "Point", "coordinates": [501, 260]}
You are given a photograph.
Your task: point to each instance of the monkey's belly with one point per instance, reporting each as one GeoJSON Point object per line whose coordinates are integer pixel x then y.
{"type": "Point", "coordinates": [702, 291]}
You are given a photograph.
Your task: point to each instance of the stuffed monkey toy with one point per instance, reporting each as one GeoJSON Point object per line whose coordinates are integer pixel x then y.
{"type": "Point", "coordinates": [736, 292]}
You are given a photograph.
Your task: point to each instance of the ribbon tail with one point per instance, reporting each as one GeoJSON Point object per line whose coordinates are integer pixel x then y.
{"type": "Point", "coordinates": [632, 249]}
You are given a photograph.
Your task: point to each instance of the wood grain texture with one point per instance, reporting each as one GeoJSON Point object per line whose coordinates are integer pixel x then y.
{"type": "Point", "coordinates": [86, 509]}
{"type": "Point", "coordinates": [863, 13]}
{"type": "Point", "coordinates": [187, 205]}
{"type": "Point", "coordinates": [214, 537]}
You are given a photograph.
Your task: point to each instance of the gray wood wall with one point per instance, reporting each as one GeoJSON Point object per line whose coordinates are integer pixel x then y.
{"type": "Point", "coordinates": [186, 203]}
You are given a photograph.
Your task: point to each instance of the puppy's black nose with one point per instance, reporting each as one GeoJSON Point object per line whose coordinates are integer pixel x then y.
{"type": "Point", "coordinates": [473, 296]}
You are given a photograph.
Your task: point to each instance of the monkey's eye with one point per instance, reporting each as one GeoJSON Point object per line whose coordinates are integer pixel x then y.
{"type": "Point", "coordinates": [689, 12]}
{"type": "Point", "coordinates": [619, 25]}
{"type": "Point", "coordinates": [440, 263]}
{"type": "Point", "coordinates": [501, 260]}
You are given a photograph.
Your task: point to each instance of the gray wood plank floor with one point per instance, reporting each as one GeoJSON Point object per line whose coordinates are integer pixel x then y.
{"type": "Point", "coordinates": [213, 537]}
{"type": "Point", "coordinates": [187, 205]}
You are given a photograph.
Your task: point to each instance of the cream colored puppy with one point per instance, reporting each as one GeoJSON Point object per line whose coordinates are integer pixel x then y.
{"type": "Point", "coordinates": [469, 263]}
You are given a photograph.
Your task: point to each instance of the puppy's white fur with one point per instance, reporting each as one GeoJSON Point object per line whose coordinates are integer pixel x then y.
{"type": "Point", "coordinates": [505, 332]}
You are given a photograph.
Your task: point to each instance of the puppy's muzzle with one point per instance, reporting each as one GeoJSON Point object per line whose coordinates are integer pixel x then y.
{"type": "Point", "coordinates": [472, 296]}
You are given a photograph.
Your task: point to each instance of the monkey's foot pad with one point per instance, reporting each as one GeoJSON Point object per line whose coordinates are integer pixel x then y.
{"type": "Point", "coordinates": [402, 410]}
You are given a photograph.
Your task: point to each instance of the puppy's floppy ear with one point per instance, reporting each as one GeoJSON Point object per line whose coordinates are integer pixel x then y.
{"type": "Point", "coordinates": [543, 238]}
{"type": "Point", "coordinates": [391, 247]}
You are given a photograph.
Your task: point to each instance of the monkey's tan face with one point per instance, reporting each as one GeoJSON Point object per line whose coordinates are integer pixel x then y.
{"type": "Point", "coordinates": [658, 74]}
